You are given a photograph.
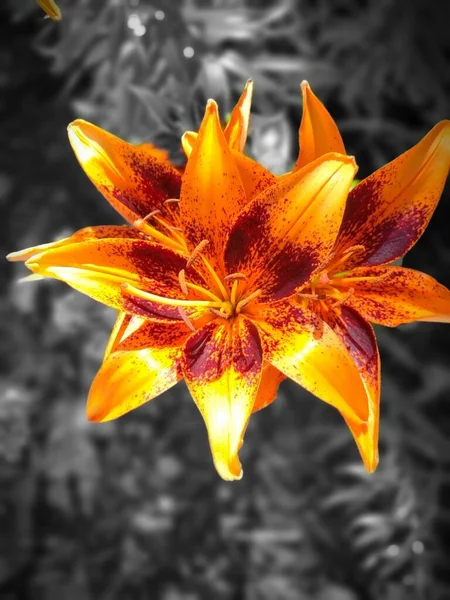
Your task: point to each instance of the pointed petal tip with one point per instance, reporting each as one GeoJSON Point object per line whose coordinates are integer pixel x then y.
{"type": "Point", "coordinates": [231, 471]}
{"type": "Point", "coordinates": [305, 85]}
{"type": "Point", "coordinates": [211, 107]}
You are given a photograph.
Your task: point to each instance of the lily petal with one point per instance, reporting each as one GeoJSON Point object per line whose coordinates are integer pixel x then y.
{"type": "Point", "coordinates": [394, 295]}
{"type": "Point", "coordinates": [268, 388]}
{"type": "Point", "coordinates": [359, 339]}
{"type": "Point", "coordinates": [134, 179]}
{"type": "Point", "coordinates": [388, 211]}
{"type": "Point", "coordinates": [255, 178]}
{"type": "Point", "coordinates": [318, 133]}
{"type": "Point", "coordinates": [236, 130]}
{"type": "Point", "coordinates": [287, 232]}
{"type": "Point", "coordinates": [118, 330]}
{"type": "Point", "coordinates": [212, 192]}
{"type": "Point", "coordinates": [95, 232]}
{"type": "Point", "coordinates": [51, 9]}
{"type": "Point", "coordinates": [127, 380]}
{"type": "Point", "coordinates": [296, 342]}
{"type": "Point", "coordinates": [222, 368]}
{"type": "Point", "coordinates": [99, 268]}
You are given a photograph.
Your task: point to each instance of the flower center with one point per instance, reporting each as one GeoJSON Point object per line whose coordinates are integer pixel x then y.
{"type": "Point", "coordinates": [225, 297]}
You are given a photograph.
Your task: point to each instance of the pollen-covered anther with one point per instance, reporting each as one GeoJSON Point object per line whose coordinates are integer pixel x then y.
{"type": "Point", "coordinates": [234, 276]}
{"type": "Point", "coordinates": [196, 253]}
{"type": "Point", "coordinates": [311, 296]}
{"type": "Point", "coordinates": [149, 216]}
{"type": "Point", "coordinates": [182, 280]}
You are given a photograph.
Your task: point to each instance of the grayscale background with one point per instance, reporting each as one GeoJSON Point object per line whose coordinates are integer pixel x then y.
{"type": "Point", "coordinates": [133, 509]}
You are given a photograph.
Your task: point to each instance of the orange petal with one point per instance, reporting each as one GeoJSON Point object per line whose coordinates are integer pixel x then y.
{"type": "Point", "coordinates": [388, 211]}
{"type": "Point", "coordinates": [236, 130]}
{"type": "Point", "coordinates": [51, 9]}
{"type": "Point", "coordinates": [95, 232]}
{"type": "Point", "coordinates": [395, 295]}
{"type": "Point", "coordinates": [222, 368]}
{"type": "Point", "coordinates": [134, 179]}
{"type": "Point", "coordinates": [188, 140]}
{"type": "Point", "coordinates": [318, 133]}
{"type": "Point", "coordinates": [119, 329]}
{"type": "Point", "coordinates": [288, 231]}
{"type": "Point", "coordinates": [212, 192]}
{"type": "Point", "coordinates": [359, 339]}
{"type": "Point", "coordinates": [127, 380]}
{"type": "Point", "coordinates": [310, 353]}
{"type": "Point", "coordinates": [255, 178]}
{"type": "Point", "coordinates": [268, 388]}
{"type": "Point", "coordinates": [99, 268]}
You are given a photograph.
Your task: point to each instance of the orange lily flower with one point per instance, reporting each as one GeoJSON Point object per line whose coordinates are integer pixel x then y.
{"type": "Point", "coordinates": [212, 305]}
{"type": "Point", "coordinates": [386, 213]}
{"type": "Point", "coordinates": [51, 9]}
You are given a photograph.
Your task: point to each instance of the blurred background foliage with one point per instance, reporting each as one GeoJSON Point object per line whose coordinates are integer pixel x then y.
{"type": "Point", "coordinates": [133, 509]}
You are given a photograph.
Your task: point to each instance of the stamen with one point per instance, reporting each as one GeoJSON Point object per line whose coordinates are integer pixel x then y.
{"type": "Point", "coordinates": [241, 276]}
{"type": "Point", "coordinates": [234, 290]}
{"type": "Point", "coordinates": [304, 295]}
{"type": "Point", "coordinates": [186, 319]}
{"type": "Point", "coordinates": [151, 214]}
{"type": "Point", "coordinates": [345, 297]}
{"type": "Point", "coordinates": [200, 289]}
{"type": "Point", "coordinates": [196, 252]}
{"type": "Point", "coordinates": [169, 200]}
{"type": "Point", "coordinates": [182, 280]}
{"type": "Point", "coordinates": [245, 301]}
{"type": "Point", "coordinates": [159, 237]}
{"type": "Point", "coordinates": [130, 290]}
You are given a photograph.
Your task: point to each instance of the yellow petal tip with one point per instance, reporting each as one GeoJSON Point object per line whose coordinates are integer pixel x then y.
{"type": "Point", "coordinates": [211, 106]}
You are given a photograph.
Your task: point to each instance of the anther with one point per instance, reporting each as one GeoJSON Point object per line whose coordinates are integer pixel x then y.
{"type": "Point", "coordinates": [186, 319]}
{"type": "Point", "coordinates": [182, 280]}
{"type": "Point", "coordinates": [241, 276]}
{"type": "Point", "coordinates": [150, 215]}
{"type": "Point", "coordinates": [170, 200]}
{"type": "Point", "coordinates": [196, 252]}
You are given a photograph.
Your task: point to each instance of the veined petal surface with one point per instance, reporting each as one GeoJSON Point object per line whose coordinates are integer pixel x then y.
{"type": "Point", "coordinates": [212, 193]}
{"type": "Point", "coordinates": [296, 342]}
{"type": "Point", "coordinates": [134, 179]}
{"type": "Point", "coordinates": [394, 295]}
{"type": "Point", "coordinates": [359, 339]}
{"type": "Point", "coordinates": [318, 133]}
{"type": "Point", "coordinates": [388, 211]}
{"type": "Point", "coordinates": [222, 367]}
{"type": "Point", "coordinates": [288, 231]}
